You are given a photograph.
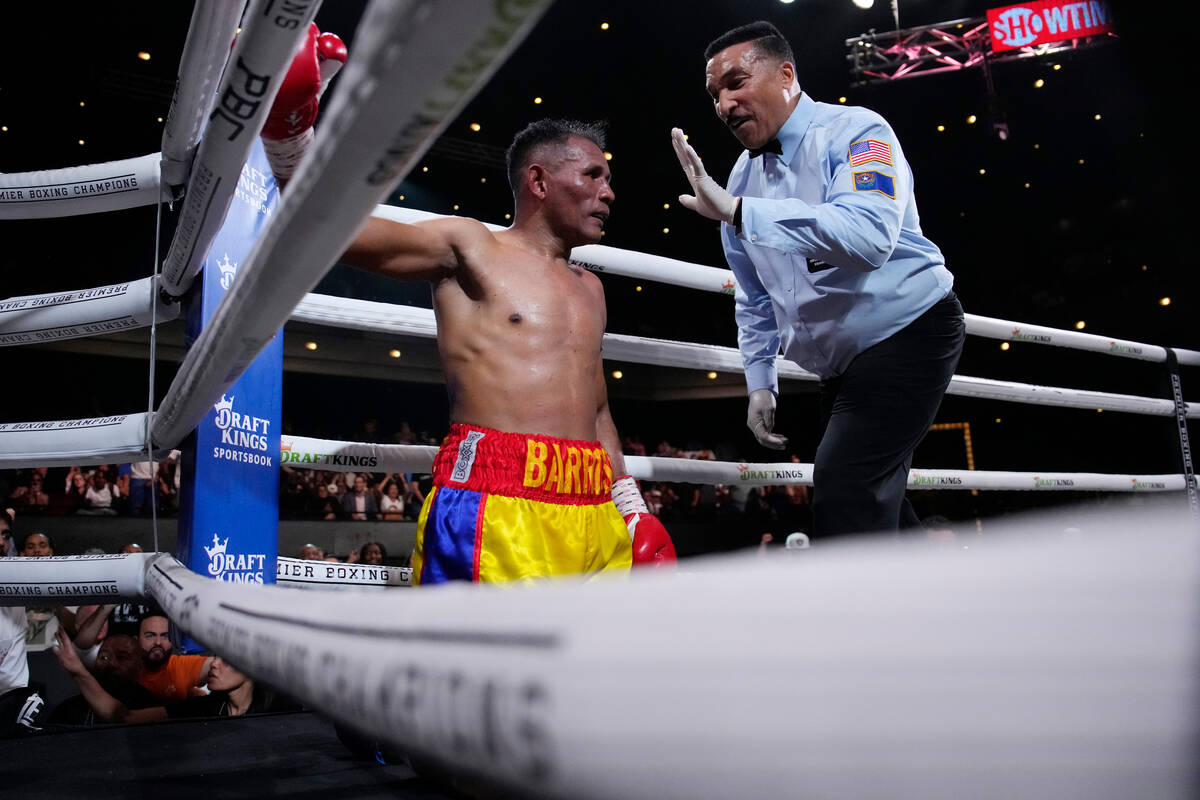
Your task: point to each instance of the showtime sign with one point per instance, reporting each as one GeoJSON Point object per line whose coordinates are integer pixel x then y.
{"type": "Point", "coordinates": [1031, 24]}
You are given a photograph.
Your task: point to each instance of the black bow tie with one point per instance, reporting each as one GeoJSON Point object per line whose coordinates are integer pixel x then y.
{"type": "Point", "coordinates": [772, 146]}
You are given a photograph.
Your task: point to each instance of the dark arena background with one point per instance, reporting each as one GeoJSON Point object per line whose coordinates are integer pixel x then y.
{"type": "Point", "coordinates": [1052, 184]}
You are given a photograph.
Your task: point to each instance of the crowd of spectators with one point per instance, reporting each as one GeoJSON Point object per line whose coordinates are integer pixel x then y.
{"type": "Point", "coordinates": [781, 508]}
{"type": "Point", "coordinates": [129, 489]}
{"type": "Point", "coordinates": [105, 490]}
{"type": "Point", "coordinates": [317, 494]}
{"type": "Point", "coordinates": [120, 658]}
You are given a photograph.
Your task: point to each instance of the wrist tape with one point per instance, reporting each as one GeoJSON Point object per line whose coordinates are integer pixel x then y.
{"type": "Point", "coordinates": [627, 497]}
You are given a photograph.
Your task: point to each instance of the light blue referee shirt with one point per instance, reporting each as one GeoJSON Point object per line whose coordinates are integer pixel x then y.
{"type": "Point", "coordinates": [830, 258]}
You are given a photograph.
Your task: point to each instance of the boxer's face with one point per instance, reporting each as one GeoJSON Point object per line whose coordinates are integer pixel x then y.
{"type": "Point", "coordinates": [751, 92]}
{"type": "Point", "coordinates": [578, 192]}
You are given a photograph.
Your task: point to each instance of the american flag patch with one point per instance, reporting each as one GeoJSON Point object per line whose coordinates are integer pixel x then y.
{"type": "Point", "coordinates": [870, 150]}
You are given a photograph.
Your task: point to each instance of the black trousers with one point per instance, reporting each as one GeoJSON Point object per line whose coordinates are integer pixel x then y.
{"type": "Point", "coordinates": [872, 418]}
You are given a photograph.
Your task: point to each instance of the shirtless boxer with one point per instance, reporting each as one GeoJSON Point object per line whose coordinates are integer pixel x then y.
{"type": "Point", "coordinates": [524, 484]}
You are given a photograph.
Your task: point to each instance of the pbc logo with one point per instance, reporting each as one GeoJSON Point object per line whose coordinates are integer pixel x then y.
{"type": "Point", "coordinates": [228, 272]}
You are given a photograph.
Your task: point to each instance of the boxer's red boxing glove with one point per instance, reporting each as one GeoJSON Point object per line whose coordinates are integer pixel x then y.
{"type": "Point", "coordinates": [295, 108]}
{"type": "Point", "coordinates": [287, 132]}
{"type": "Point", "coordinates": [332, 54]}
{"type": "Point", "coordinates": [651, 543]}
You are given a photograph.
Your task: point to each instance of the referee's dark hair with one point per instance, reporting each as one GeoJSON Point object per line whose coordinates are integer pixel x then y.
{"type": "Point", "coordinates": [766, 37]}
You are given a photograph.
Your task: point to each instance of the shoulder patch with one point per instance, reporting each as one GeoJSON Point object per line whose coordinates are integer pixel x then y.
{"type": "Point", "coordinates": [870, 150]}
{"type": "Point", "coordinates": [875, 182]}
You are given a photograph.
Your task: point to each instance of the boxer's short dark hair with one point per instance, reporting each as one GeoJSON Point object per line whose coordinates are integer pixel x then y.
{"type": "Point", "coordinates": [547, 131]}
{"type": "Point", "coordinates": [766, 37]}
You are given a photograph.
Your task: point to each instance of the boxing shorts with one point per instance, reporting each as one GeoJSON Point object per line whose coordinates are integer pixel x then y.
{"type": "Point", "coordinates": [517, 506]}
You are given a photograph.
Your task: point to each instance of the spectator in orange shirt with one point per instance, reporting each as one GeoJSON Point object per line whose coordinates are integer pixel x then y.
{"type": "Point", "coordinates": [167, 676]}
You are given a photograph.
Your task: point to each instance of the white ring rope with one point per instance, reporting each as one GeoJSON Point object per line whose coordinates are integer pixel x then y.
{"type": "Point", "coordinates": [260, 58]}
{"type": "Point", "coordinates": [210, 33]}
{"type": "Point", "coordinates": [644, 266]}
{"type": "Point", "coordinates": [87, 189]}
{"type": "Point", "coordinates": [84, 312]}
{"type": "Point", "coordinates": [299, 573]}
{"type": "Point", "coordinates": [73, 580]}
{"type": "Point", "coordinates": [396, 98]}
{"type": "Point", "coordinates": [108, 577]}
{"type": "Point", "coordinates": [108, 312]}
{"type": "Point", "coordinates": [51, 444]}
{"type": "Point", "coordinates": [413, 321]}
{"type": "Point", "coordinates": [1039, 666]}
{"type": "Point", "coordinates": [601, 258]}
{"type": "Point", "coordinates": [326, 454]}
{"type": "Point", "coordinates": [70, 442]}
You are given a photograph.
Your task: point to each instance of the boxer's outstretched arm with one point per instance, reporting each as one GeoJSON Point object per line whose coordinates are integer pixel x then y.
{"type": "Point", "coordinates": [424, 251]}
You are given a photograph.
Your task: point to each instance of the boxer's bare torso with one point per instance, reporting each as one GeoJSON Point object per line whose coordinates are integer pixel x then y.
{"type": "Point", "coordinates": [520, 335]}
{"type": "Point", "coordinates": [519, 327]}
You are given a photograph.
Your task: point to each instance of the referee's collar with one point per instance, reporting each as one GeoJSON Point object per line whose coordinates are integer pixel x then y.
{"type": "Point", "coordinates": [793, 130]}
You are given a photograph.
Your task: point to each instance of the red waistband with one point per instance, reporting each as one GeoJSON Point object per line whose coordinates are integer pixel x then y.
{"type": "Point", "coordinates": [528, 465]}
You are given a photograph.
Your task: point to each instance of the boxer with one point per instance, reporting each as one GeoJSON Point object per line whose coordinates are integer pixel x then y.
{"type": "Point", "coordinates": [530, 481]}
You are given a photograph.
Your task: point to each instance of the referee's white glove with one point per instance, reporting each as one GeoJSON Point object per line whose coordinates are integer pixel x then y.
{"type": "Point", "coordinates": [760, 418]}
{"type": "Point", "coordinates": [710, 198]}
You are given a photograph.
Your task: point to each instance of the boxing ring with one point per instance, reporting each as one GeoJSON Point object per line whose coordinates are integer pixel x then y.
{"type": "Point", "coordinates": [1039, 668]}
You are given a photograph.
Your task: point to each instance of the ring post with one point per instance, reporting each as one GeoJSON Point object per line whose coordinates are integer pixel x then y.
{"type": "Point", "coordinates": [229, 501]}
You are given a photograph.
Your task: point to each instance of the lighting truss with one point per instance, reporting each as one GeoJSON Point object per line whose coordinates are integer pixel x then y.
{"type": "Point", "coordinates": [942, 47]}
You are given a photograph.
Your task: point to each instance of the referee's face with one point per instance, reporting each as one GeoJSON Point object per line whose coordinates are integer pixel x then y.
{"type": "Point", "coordinates": [751, 92]}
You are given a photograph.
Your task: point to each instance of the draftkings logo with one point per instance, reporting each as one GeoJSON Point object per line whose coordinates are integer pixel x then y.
{"type": "Point", "coordinates": [243, 436]}
{"type": "Point", "coordinates": [233, 567]}
{"type": "Point", "coordinates": [290, 455]}
{"type": "Point", "coordinates": [228, 272]}
{"type": "Point", "coordinates": [1124, 349]}
{"type": "Point", "coordinates": [1017, 336]}
{"type": "Point", "coordinates": [934, 481]}
{"type": "Point", "coordinates": [747, 474]}
{"type": "Point", "coordinates": [728, 287]}
{"type": "Point", "coordinates": [1052, 483]}
{"type": "Point", "coordinates": [1140, 485]}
